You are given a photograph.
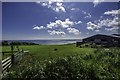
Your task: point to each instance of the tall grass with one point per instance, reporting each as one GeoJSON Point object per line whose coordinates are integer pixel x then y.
{"type": "Point", "coordinates": [100, 64]}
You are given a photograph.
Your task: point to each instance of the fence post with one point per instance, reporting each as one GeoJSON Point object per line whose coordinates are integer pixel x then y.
{"type": "Point", "coordinates": [3, 53]}
{"type": "Point", "coordinates": [12, 55]}
{"type": "Point", "coordinates": [12, 48]}
{"type": "Point", "coordinates": [12, 58]}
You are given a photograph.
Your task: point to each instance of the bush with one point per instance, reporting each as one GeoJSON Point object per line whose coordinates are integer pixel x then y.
{"type": "Point", "coordinates": [99, 65]}
{"type": "Point", "coordinates": [67, 68]}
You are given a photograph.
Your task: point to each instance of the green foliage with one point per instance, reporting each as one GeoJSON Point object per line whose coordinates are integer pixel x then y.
{"type": "Point", "coordinates": [86, 64]}
{"type": "Point", "coordinates": [22, 43]}
{"type": "Point", "coordinates": [5, 43]}
{"type": "Point", "coordinates": [67, 68]}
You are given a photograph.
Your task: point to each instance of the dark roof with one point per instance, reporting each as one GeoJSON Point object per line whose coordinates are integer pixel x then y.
{"type": "Point", "coordinates": [101, 36]}
{"type": "Point", "coordinates": [116, 34]}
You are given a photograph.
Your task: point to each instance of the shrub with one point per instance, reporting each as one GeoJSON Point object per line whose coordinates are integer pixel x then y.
{"type": "Point", "coordinates": [103, 64]}
{"type": "Point", "coordinates": [67, 68]}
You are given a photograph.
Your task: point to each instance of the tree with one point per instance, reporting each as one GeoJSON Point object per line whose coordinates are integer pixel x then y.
{"type": "Point", "coordinates": [5, 43]}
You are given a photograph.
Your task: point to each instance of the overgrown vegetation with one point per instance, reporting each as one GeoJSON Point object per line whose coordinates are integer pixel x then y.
{"type": "Point", "coordinates": [97, 64]}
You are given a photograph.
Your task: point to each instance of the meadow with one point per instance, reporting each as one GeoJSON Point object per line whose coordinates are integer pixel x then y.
{"type": "Point", "coordinates": [66, 62]}
{"type": "Point", "coordinates": [43, 52]}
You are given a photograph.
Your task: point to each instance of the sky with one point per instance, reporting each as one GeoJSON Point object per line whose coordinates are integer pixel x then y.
{"type": "Point", "coordinates": [58, 20]}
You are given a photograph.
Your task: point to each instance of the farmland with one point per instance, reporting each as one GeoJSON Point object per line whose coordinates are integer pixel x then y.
{"type": "Point", "coordinates": [43, 52]}
{"type": "Point", "coordinates": [65, 62]}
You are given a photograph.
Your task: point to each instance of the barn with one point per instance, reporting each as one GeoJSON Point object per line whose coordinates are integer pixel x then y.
{"type": "Point", "coordinates": [101, 39]}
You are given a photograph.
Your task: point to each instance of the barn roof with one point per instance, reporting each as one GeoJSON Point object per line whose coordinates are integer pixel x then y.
{"type": "Point", "coordinates": [117, 35]}
{"type": "Point", "coordinates": [102, 36]}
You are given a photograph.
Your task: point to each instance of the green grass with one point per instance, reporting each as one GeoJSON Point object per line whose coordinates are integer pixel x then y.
{"type": "Point", "coordinates": [74, 62]}
{"type": "Point", "coordinates": [43, 52]}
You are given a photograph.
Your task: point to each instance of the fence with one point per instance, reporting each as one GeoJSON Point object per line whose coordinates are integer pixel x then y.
{"type": "Point", "coordinates": [14, 58]}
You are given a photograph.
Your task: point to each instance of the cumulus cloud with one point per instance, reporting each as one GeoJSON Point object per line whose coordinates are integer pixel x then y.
{"type": "Point", "coordinates": [109, 24]}
{"type": "Point", "coordinates": [55, 32]}
{"type": "Point", "coordinates": [92, 26]}
{"type": "Point", "coordinates": [113, 25]}
{"type": "Point", "coordinates": [112, 29]}
{"type": "Point", "coordinates": [57, 27]}
{"type": "Point", "coordinates": [38, 27]}
{"type": "Point", "coordinates": [59, 7]}
{"type": "Point", "coordinates": [62, 24]}
{"type": "Point", "coordinates": [96, 2]}
{"type": "Point", "coordinates": [112, 12]}
{"type": "Point", "coordinates": [73, 31]}
{"type": "Point", "coordinates": [55, 5]}
{"type": "Point", "coordinates": [115, 22]}
{"type": "Point", "coordinates": [104, 22]}
{"type": "Point", "coordinates": [66, 24]}
{"type": "Point", "coordinates": [79, 22]}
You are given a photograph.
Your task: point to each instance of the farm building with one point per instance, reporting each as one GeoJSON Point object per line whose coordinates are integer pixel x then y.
{"type": "Point", "coordinates": [100, 39]}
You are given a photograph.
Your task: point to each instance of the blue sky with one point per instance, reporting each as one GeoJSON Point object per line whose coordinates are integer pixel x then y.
{"type": "Point", "coordinates": [58, 20]}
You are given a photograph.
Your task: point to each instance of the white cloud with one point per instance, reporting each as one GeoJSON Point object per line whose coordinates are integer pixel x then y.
{"type": "Point", "coordinates": [112, 12]}
{"type": "Point", "coordinates": [38, 2]}
{"type": "Point", "coordinates": [79, 22]}
{"type": "Point", "coordinates": [92, 26]}
{"type": "Point", "coordinates": [112, 29]}
{"type": "Point", "coordinates": [50, 1]}
{"type": "Point", "coordinates": [60, 8]}
{"type": "Point", "coordinates": [104, 22]}
{"type": "Point", "coordinates": [59, 4]}
{"type": "Point", "coordinates": [96, 2]}
{"type": "Point", "coordinates": [62, 24]}
{"type": "Point", "coordinates": [88, 15]}
{"type": "Point", "coordinates": [55, 5]}
{"type": "Point", "coordinates": [55, 32]}
{"type": "Point", "coordinates": [55, 0]}
{"type": "Point", "coordinates": [38, 27]}
{"type": "Point", "coordinates": [73, 31]}
{"type": "Point", "coordinates": [44, 4]}
{"type": "Point", "coordinates": [75, 9]}
{"type": "Point", "coordinates": [113, 24]}
{"type": "Point", "coordinates": [56, 17]}
{"type": "Point", "coordinates": [108, 24]}
{"type": "Point", "coordinates": [97, 30]}
{"type": "Point", "coordinates": [57, 27]}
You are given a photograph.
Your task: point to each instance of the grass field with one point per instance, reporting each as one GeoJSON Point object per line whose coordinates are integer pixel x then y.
{"type": "Point", "coordinates": [45, 51]}
{"type": "Point", "coordinates": [66, 62]}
